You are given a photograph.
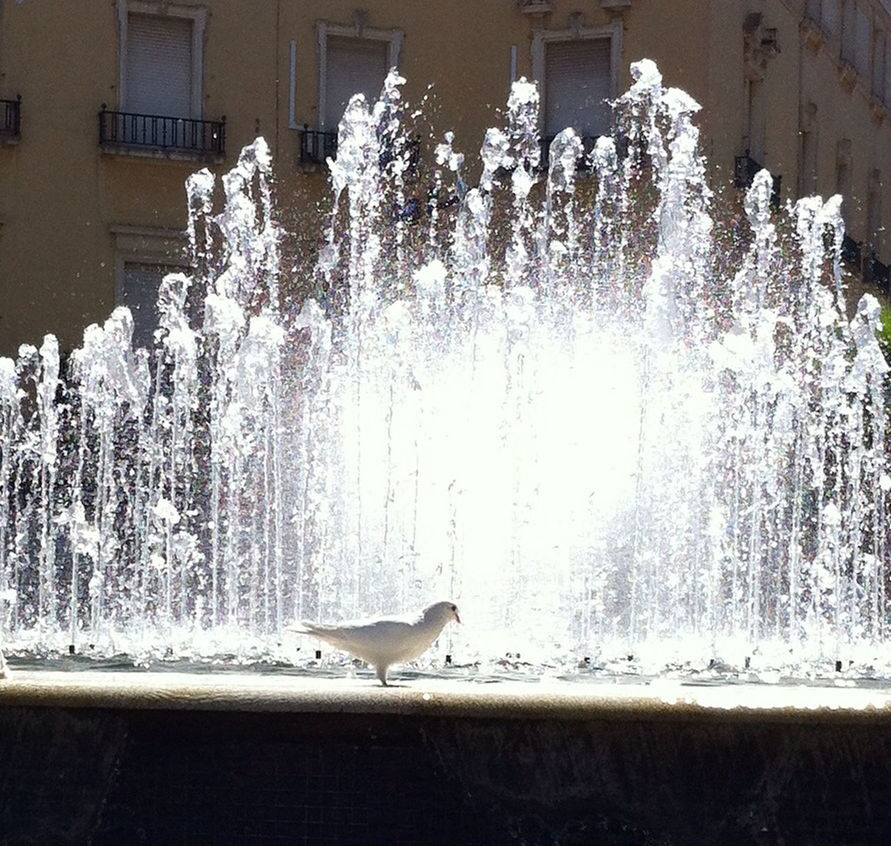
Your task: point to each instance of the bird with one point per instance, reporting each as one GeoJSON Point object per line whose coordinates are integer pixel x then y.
{"type": "Point", "coordinates": [386, 640]}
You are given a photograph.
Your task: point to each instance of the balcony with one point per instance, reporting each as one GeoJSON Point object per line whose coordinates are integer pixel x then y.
{"type": "Point", "coordinates": [583, 163]}
{"type": "Point", "coordinates": [10, 120]}
{"type": "Point", "coordinates": [161, 136]}
{"type": "Point", "coordinates": [316, 145]}
{"type": "Point", "coordinates": [745, 168]}
{"type": "Point", "coordinates": [534, 7]}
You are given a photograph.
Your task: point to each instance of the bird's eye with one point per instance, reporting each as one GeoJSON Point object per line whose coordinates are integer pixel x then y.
{"type": "Point", "coordinates": [454, 608]}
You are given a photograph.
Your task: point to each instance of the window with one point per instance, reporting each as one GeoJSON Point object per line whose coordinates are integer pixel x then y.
{"type": "Point", "coordinates": [849, 32]}
{"type": "Point", "coordinates": [855, 36]}
{"type": "Point", "coordinates": [887, 99]}
{"type": "Point", "coordinates": [352, 60]}
{"type": "Point", "coordinates": [830, 18]}
{"type": "Point", "coordinates": [139, 292]}
{"type": "Point", "coordinates": [862, 32]}
{"type": "Point", "coordinates": [879, 69]}
{"type": "Point", "coordinates": [161, 59]}
{"type": "Point", "coordinates": [812, 10]}
{"type": "Point", "coordinates": [577, 74]}
{"type": "Point", "coordinates": [158, 74]}
{"type": "Point", "coordinates": [143, 258]}
{"type": "Point", "coordinates": [161, 82]}
{"type": "Point", "coordinates": [354, 66]}
{"type": "Point", "coordinates": [807, 171]}
{"type": "Point", "coordinates": [843, 180]}
{"type": "Point", "coordinates": [874, 209]}
{"type": "Point", "coordinates": [756, 119]}
{"type": "Point", "coordinates": [808, 175]}
{"type": "Point", "coordinates": [577, 86]}
{"type": "Point", "coordinates": [825, 13]}
{"type": "Point", "coordinates": [10, 119]}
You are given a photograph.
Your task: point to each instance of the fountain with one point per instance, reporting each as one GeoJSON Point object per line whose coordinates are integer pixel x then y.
{"type": "Point", "coordinates": [639, 443]}
{"type": "Point", "coordinates": [618, 431]}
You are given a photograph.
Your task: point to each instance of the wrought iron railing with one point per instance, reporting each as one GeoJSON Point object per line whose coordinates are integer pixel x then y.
{"type": "Point", "coordinates": [316, 145]}
{"type": "Point", "coordinates": [534, 6]}
{"type": "Point", "coordinates": [744, 170]}
{"type": "Point", "coordinates": [161, 132]}
{"type": "Point", "coordinates": [11, 117]}
{"type": "Point", "coordinates": [582, 163]}
{"type": "Point", "coordinates": [410, 153]}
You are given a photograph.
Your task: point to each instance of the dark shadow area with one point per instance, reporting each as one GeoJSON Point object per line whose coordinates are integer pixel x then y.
{"type": "Point", "coordinates": [171, 776]}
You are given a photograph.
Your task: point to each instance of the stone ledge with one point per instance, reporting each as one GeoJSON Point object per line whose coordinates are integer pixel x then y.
{"type": "Point", "coordinates": [108, 758]}
{"type": "Point", "coordinates": [662, 700]}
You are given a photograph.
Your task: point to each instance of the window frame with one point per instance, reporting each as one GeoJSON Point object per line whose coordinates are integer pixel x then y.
{"type": "Point", "coordinates": [146, 245]}
{"type": "Point", "coordinates": [847, 54]}
{"type": "Point", "coordinates": [863, 42]}
{"type": "Point", "coordinates": [880, 75]}
{"type": "Point", "coordinates": [198, 17]}
{"type": "Point", "coordinates": [542, 37]}
{"type": "Point", "coordinates": [394, 37]}
{"type": "Point", "coordinates": [874, 212]}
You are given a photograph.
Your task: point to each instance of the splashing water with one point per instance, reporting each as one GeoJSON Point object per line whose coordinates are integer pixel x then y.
{"type": "Point", "coordinates": [568, 398]}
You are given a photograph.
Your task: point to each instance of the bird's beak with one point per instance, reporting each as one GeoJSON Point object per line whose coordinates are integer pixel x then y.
{"type": "Point", "coordinates": [457, 617]}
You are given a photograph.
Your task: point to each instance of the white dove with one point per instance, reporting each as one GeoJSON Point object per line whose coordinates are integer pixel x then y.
{"type": "Point", "coordinates": [388, 640]}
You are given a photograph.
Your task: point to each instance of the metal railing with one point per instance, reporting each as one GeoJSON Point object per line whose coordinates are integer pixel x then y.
{"type": "Point", "coordinates": [316, 145]}
{"type": "Point", "coordinates": [161, 132]}
{"type": "Point", "coordinates": [534, 6]}
{"type": "Point", "coordinates": [582, 163]}
{"type": "Point", "coordinates": [11, 117]}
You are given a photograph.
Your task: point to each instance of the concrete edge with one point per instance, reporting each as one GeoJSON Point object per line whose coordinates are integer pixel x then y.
{"type": "Point", "coordinates": [663, 700]}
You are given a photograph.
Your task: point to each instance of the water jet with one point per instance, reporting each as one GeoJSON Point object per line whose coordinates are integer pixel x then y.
{"type": "Point", "coordinates": [636, 443]}
{"type": "Point", "coordinates": [577, 416]}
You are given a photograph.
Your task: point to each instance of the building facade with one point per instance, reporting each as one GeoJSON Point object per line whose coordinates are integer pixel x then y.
{"type": "Point", "coordinates": [106, 108]}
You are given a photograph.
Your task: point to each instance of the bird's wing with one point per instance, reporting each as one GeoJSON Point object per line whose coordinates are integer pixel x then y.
{"type": "Point", "coordinates": [380, 641]}
{"type": "Point", "coordinates": [309, 627]}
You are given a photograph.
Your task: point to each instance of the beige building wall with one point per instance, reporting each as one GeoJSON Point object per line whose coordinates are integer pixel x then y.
{"type": "Point", "coordinates": [71, 214]}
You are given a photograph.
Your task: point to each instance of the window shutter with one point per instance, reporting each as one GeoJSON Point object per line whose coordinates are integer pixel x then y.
{"type": "Point", "coordinates": [862, 38]}
{"type": "Point", "coordinates": [353, 66]}
{"type": "Point", "coordinates": [849, 33]}
{"type": "Point", "coordinates": [878, 67]}
{"type": "Point", "coordinates": [887, 93]}
{"type": "Point", "coordinates": [830, 16]}
{"type": "Point", "coordinates": [139, 292]}
{"type": "Point", "coordinates": [577, 83]}
{"type": "Point", "coordinates": [873, 217]}
{"type": "Point", "coordinates": [159, 66]}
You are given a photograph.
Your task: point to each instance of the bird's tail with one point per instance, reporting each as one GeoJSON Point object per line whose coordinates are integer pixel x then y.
{"type": "Point", "coordinates": [308, 628]}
